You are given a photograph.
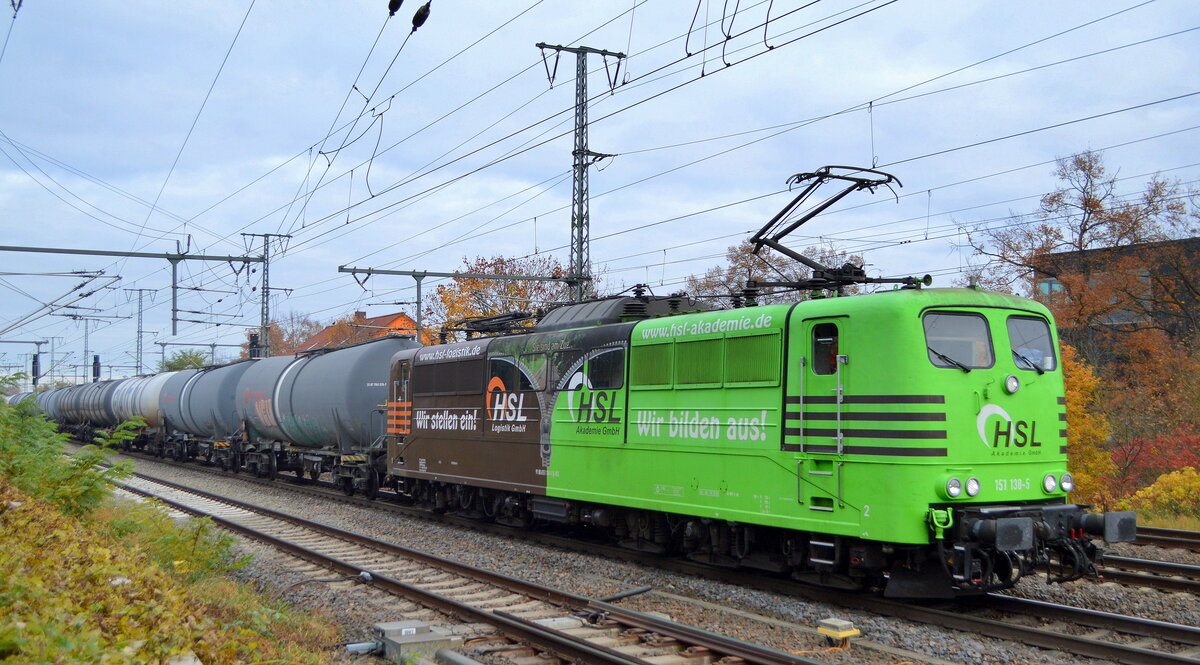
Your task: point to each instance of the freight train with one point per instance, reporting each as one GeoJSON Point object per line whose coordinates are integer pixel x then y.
{"type": "Point", "coordinates": [912, 440]}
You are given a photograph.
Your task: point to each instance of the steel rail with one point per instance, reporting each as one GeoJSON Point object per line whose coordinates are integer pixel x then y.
{"type": "Point", "coordinates": [547, 638]}
{"type": "Point", "coordinates": [1161, 574]}
{"type": "Point", "coordinates": [1173, 538]}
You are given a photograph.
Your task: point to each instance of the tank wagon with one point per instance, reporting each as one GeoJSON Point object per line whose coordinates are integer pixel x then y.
{"type": "Point", "coordinates": [312, 413]}
{"type": "Point", "coordinates": [320, 411]}
{"type": "Point", "coordinates": [201, 412]}
{"type": "Point", "coordinates": [13, 400]}
{"type": "Point", "coordinates": [912, 440]}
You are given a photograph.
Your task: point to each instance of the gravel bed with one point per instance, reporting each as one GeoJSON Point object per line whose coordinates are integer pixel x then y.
{"type": "Point", "coordinates": [1174, 607]}
{"type": "Point", "coordinates": [1171, 555]}
{"type": "Point", "coordinates": [356, 608]}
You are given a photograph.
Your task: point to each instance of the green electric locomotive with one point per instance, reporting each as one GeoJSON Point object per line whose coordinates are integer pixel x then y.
{"type": "Point", "coordinates": [912, 440]}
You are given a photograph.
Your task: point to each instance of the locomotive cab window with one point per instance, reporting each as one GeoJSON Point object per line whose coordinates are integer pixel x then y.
{"type": "Point", "coordinates": [562, 366]}
{"type": "Point", "coordinates": [958, 340]}
{"type": "Point", "coordinates": [606, 370]}
{"type": "Point", "coordinates": [825, 348]}
{"type": "Point", "coordinates": [505, 368]}
{"type": "Point", "coordinates": [1032, 346]}
{"type": "Point", "coordinates": [535, 365]}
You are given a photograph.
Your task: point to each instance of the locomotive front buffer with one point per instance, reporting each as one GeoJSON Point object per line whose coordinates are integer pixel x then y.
{"type": "Point", "coordinates": [985, 548]}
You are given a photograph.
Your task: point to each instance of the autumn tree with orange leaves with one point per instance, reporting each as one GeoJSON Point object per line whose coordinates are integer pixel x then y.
{"type": "Point", "coordinates": [1089, 429]}
{"type": "Point", "coordinates": [1130, 277]}
{"type": "Point", "coordinates": [286, 334]}
{"type": "Point", "coordinates": [465, 298]}
{"type": "Point", "coordinates": [1121, 274]}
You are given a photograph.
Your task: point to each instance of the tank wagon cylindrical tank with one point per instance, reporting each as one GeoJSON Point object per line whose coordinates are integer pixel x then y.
{"type": "Point", "coordinates": [89, 403]}
{"type": "Point", "coordinates": [331, 399]}
{"type": "Point", "coordinates": [256, 395]}
{"type": "Point", "coordinates": [139, 397]}
{"type": "Point", "coordinates": [319, 411]}
{"type": "Point", "coordinates": [197, 411]}
{"type": "Point", "coordinates": [208, 402]}
{"type": "Point", "coordinates": [49, 400]}
{"type": "Point", "coordinates": [14, 400]}
{"type": "Point", "coordinates": [170, 395]}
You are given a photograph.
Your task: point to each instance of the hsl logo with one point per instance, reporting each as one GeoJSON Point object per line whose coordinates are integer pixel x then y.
{"type": "Point", "coordinates": [595, 406]}
{"type": "Point", "coordinates": [505, 406]}
{"type": "Point", "coordinates": [1018, 433]}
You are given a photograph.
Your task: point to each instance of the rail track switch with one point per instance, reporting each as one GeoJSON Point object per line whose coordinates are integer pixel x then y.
{"type": "Point", "coordinates": [403, 638]}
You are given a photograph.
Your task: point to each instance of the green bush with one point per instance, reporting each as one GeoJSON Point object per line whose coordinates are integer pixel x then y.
{"type": "Point", "coordinates": [90, 577]}
{"type": "Point", "coordinates": [31, 457]}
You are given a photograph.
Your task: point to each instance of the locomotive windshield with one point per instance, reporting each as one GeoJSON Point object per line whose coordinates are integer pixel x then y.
{"type": "Point", "coordinates": [959, 340]}
{"type": "Point", "coordinates": [1032, 347]}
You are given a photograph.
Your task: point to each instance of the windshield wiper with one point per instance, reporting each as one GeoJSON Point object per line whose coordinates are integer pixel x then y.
{"type": "Point", "coordinates": [1029, 362]}
{"type": "Point", "coordinates": [946, 358]}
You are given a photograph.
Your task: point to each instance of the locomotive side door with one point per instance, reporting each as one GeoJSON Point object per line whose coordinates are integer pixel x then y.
{"type": "Point", "coordinates": [399, 411]}
{"type": "Point", "coordinates": [815, 411]}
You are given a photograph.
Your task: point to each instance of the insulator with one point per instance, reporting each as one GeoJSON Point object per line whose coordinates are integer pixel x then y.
{"type": "Point", "coordinates": [421, 16]}
{"type": "Point", "coordinates": [393, 6]}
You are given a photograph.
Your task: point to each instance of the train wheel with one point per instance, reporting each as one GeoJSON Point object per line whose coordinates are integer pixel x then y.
{"type": "Point", "coordinates": [224, 463]}
{"type": "Point", "coordinates": [372, 489]}
{"type": "Point", "coordinates": [314, 473]}
{"type": "Point", "coordinates": [347, 485]}
{"type": "Point", "coordinates": [271, 470]}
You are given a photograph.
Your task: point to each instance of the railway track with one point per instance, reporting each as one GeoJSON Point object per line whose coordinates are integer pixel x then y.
{"type": "Point", "coordinates": [1161, 575]}
{"type": "Point", "coordinates": [1170, 538]}
{"type": "Point", "coordinates": [1078, 631]}
{"type": "Point", "coordinates": [574, 628]}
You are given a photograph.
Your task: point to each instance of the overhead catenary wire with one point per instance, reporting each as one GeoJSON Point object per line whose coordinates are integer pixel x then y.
{"type": "Point", "coordinates": [198, 271]}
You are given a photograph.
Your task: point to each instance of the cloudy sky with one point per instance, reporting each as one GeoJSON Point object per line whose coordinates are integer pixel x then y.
{"type": "Point", "coordinates": [147, 126]}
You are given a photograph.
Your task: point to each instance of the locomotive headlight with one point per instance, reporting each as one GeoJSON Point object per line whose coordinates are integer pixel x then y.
{"type": "Point", "coordinates": [953, 488]}
{"type": "Point", "coordinates": [1012, 384]}
{"type": "Point", "coordinates": [1067, 482]}
{"type": "Point", "coordinates": [972, 487]}
{"type": "Point", "coordinates": [1049, 483]}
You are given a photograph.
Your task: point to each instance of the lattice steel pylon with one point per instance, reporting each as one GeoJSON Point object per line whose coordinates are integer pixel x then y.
{"type": "Point", "coordinates": [580, 262]}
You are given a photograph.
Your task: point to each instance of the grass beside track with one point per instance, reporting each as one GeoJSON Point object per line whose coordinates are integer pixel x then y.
{"type": "Point", "coordinates": [89, 577]}
{"type": "Point", "coordinates": [1183, 522]}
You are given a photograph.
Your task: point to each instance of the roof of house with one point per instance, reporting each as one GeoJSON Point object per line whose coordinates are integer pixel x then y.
{"type": "Point", "coordinates": [361, 330]}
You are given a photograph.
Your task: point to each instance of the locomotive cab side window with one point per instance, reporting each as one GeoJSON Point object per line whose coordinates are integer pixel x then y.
{"type": "Point", "coordinates": [958, 340]}
{"type": "Point", "coordinates": [1032, 346]}
{"type": "Point", "coordinates": [606, 370]}
{"type": "Point", "coordinates": [825, 348]}
{"type": "Point", "coordinates": [505, 368]}
{"type": "Point", "coordinates": [560, 367]}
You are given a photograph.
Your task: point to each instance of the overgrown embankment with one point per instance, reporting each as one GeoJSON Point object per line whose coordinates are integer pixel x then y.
{"type": "Point", "coordinates": [87, 577]}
